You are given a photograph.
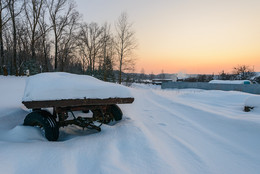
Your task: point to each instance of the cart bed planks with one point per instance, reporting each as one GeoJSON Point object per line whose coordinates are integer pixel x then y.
{"type": "Point", "coordinates": [75, 102]}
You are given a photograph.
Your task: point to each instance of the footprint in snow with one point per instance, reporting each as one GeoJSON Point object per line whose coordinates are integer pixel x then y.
{"type": "Point", "coordinates": [162, 124]}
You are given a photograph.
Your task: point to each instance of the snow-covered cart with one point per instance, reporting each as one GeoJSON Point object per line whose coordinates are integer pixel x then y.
{"type": "Point", "coordinates": [65, 99]}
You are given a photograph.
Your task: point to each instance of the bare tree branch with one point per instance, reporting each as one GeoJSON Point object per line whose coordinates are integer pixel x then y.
{"type": "Point", "coordinates": [125, 44]}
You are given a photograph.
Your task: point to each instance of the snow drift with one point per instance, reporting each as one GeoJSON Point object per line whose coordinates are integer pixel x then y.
{"type": "Point", "coordinates": [253, 101]}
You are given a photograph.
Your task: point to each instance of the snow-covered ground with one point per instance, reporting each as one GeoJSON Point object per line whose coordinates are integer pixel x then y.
{"type": "Point", "coordinates": [163, 131]}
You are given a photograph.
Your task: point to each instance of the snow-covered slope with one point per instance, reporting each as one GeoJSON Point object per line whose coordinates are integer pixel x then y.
{"type": "Point", "coordinates": [163, 131]}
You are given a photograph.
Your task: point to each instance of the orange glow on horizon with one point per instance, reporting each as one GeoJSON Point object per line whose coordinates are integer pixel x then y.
{"type": "Point", "coordinates": [196, 65]}
{"type": "Point", "coordinates": [202, 38]}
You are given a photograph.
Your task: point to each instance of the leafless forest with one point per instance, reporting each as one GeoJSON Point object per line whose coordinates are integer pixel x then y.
{"type": "Point", "coordinates": [50, 35]}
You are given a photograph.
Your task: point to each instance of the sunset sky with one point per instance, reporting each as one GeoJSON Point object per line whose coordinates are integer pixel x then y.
{"type": "Point", "coordinates": [202, 36]}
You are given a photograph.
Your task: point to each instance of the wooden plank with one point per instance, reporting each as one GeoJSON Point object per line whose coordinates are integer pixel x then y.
{"type": "Point", "coordinates": [75, 102]}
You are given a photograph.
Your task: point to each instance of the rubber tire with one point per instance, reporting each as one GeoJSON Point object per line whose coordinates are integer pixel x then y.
{"type": "Point", "coordinates": [45, 120]}
{"type": "Point", "coordinates": [98, 113]}
{"type": "Point", "coordinates": [116, 112]}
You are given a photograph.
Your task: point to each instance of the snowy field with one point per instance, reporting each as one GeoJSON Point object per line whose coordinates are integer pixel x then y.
{"type": "Point", "coordinates": [163, 131]}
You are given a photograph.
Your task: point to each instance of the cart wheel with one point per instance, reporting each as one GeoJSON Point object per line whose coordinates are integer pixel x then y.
{"type": "Point", "coordinates": [45, 121]}
{"type": "Point", "coordinates": [104, 118]}
{"type": "Point", "coordinates": [116, 112]}
{"type": "Point", "coordinates": [97, 113]}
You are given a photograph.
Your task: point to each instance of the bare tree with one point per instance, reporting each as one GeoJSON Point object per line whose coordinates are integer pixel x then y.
{"type": "Point", "coordinates": [68, 42]}
{"type": "Point", "coordinates": [125, 44]}
{"type": "Point", "coordinates": [44, 42]}
{"type": "Point", "coordinates": [23, 45]}
{"type": "Point", "coordinates": [4, 18]}
{"type": "Point", "coordinates": [107, 53]}
{"type": "Point", "coordinates": [90, 42]}
{"type": "Point", "coordinates": [243, 72]}
{"type": "Point", "coordinates": [83, 58]}
{"type": "Point", "coordinates": [59, 21]}
{"type": "Point", "coordinates": [33, 9]}
{"type": "Point", "coordinates": [14, 12]}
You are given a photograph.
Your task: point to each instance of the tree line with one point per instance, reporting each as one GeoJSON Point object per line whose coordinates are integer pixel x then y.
{"type": "Point", "coordinates": [240, 72]}
{"type": "Point", "coordinates": [49, 35]}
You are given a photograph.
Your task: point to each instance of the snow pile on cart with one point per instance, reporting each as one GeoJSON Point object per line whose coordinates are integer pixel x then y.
{"type": "Point", "coordinates": [59, 85]}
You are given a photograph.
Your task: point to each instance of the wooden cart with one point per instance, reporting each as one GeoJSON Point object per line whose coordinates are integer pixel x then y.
{"type": "Point", "coordinates": [104, 111]}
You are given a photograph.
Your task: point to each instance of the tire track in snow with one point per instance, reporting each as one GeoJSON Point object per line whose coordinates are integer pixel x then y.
{"type": "Point", "coordinates": [173, 152]}
{"type": "Point", "coordinates": [220, 99]}
{"type": "Point", "coordinates": [183, 111]}
{"type": "Point", "coordinates": [11, 119]}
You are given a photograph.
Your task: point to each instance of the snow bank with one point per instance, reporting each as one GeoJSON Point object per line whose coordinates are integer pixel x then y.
{"type": "Point", "coordinates": [253, 101]}
{"type": "Point", "coordinates": [58, 85]}
{"type": "Point", "coordinates": [145, 86]}
{"type": "Point", "coordinates": [230, 82]}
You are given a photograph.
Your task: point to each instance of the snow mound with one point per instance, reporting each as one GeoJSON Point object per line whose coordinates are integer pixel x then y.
{"type": "Point", "coordinates": [145, 86]}
{"type": "Point", "coordinates": [253, 101]}
{"type": "Point", "coordinates": [230, 82]}
{"type": "Point", "coordinates": [59, 85]}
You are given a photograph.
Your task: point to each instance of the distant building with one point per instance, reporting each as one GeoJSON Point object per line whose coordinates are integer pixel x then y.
{"type": "Point", "coordinates": [160, 81]}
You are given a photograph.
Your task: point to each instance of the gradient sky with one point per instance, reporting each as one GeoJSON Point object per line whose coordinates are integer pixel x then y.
{"type": "Point", "coordinates": [191, 36]}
